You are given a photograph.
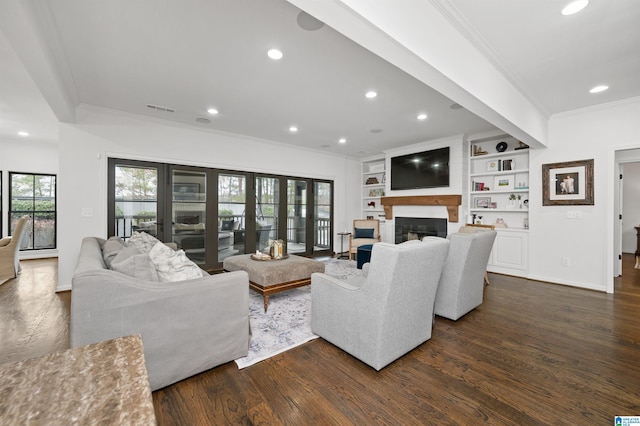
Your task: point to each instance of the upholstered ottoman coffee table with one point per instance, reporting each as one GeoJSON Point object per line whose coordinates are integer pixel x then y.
{"type": "Point", "coordinates": [273, 276]}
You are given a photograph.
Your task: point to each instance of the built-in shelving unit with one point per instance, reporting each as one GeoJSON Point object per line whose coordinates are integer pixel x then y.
{"type": "Point", "coordinates": [499, 195]}
{"type": "Point", "coordinates": [373, 188]}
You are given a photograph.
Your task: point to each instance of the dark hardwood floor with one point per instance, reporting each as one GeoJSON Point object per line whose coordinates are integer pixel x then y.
{"type": "Point", "coordinates": [532, 353]}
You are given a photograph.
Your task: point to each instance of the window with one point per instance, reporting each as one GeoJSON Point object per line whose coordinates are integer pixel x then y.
{"type": "Point", "coordinates": [34, 195]}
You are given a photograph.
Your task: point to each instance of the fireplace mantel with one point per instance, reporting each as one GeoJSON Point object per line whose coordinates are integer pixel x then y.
{"type": "Point", "coordinates": [451, 202]}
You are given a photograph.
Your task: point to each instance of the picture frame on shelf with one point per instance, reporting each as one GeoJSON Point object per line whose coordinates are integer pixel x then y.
{"type": "Point", "coordinates": [503, 183]}
{"type": "Point", "coordinates": [481, 202]}
{"type": "Point", "coordinates": [568, 183]}
{"type": "Point", "coordinates": [508, 164]}
{"type": "Point", "coordinates": [376, 192]}
{"type": "Point", "coordinates": [369, 217]}
{"type": "Point", "coordinates": [492, 165]}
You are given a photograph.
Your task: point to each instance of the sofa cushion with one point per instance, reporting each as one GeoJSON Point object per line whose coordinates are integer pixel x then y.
{"type": "Point", "coordinates": [173, 265]}
{"type": "Point", "coordinates": [363, 233]}
{"type": "Point", "coordinates": [142, 241]}
{"type": "Point", "coordinates": [111, 248]}
{"type": "Point", "coordinates": [130, 261]}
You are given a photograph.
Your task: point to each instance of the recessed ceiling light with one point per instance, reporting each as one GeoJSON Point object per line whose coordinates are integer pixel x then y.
{"type": "Point", "coordinates": [599, 89]}
{"type": "Point", "coordinates": [212, 111]}
{"type": "Point", "coordinates": [293, 129]}
{"type": "Point", "coordinates": [23, 133]}
{"type": "Point", "coordinates": [342, 140]}
{"type": "Point", "coordinates": [371, 94]}
{"type": "Point", "coordinates": [422, 116]}
{"type": "Point", "coordinates": [275, 54]}
{"type": "Point", "coordinates": [574, 7]}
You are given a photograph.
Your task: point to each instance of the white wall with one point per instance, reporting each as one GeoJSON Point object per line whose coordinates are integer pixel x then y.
{"type": "Point", "coordinates": [630, 206]}
{"type": "Point", "coordinates": [98, 134]}
{"type": "Point", "coordinates": [588, 242]}
{"type": "Point", "coordinates": [23, 155]}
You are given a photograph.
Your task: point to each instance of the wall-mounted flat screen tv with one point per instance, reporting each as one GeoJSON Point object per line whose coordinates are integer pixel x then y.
{"type": "Point", "coordinates": [428, 169]}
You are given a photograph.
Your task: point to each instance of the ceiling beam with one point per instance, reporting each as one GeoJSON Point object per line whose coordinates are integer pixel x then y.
{"type": "Point", "coordinates": [28, 28]}
{"type": "Point", "coordinates": [415, 36]}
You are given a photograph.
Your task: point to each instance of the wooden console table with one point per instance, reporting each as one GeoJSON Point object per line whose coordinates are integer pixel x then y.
{"type": "Point", "coordinates": [101, 383]}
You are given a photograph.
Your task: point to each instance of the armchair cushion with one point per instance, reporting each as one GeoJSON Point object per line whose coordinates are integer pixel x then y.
{"type": "Point", "coordinates": [363, 233]}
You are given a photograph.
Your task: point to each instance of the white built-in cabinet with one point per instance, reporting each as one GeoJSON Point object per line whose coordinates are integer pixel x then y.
{"type": "Point", "coordinates": [499, 195]}
{"type": "Point", "coordinates": [374, 178]}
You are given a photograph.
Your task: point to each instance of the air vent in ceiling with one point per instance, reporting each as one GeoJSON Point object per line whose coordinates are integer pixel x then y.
{"type": "Point", "coordinates": [160, 108]}
{"type": "Point", "coordinates": [203, 120]}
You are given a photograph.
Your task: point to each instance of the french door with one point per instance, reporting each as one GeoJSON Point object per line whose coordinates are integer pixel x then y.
{"type": "Point", "coordinates": [212, 214]}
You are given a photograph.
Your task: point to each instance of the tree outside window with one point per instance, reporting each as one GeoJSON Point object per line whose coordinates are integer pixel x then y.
{"type": "Point", "coordinates": [34, 195]}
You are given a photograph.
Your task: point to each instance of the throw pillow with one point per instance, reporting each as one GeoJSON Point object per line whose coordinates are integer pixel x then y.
{"type": "Point", "coordinates": [110, 249]}
{"type": "Point", "coordinates": [173, 265]}
{"type": "Point", "coordinates": [363, 233]}
{"type": "Point", "coordinates": [142, 241]}
{"type": "Point", "coordinates": [130, 261]}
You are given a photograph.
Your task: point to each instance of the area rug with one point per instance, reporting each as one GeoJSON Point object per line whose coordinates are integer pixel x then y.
{"type": "Point", "coordinates": [287, 322]}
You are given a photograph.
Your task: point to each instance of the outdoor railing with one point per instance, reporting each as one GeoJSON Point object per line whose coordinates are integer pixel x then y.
{"type": "Point", "coordinates": [125, 225]}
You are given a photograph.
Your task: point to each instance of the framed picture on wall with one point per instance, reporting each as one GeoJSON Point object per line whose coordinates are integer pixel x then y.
{"type": "Point", "coordinates": [567, 183]}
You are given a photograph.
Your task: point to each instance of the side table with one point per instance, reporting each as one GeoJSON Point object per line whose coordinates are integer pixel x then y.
{"type": "Point", "coordinates": [342, 235]}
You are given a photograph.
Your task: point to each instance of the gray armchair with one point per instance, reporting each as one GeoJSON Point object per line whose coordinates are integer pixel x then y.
{"type": "Point", "coordinates": [379, 318]}
{"type": "Point", "coordinates": [461, 285]}
{"type": "Point", "coordinates": [9, 248]}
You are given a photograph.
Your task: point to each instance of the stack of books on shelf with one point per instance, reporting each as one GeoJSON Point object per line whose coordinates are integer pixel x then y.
{"type": "Point", "coordinates": [478, 186]}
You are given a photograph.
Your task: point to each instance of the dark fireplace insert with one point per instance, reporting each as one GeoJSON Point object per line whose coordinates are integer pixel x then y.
{"type": "Point", "coordinates": [416, 228]}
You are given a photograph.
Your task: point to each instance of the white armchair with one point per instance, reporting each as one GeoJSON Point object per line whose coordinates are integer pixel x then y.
{"type": "Point", "coordinates": [380, 317]}
{"type": "Point", "coordinates": [9, 248]}
{"type": "Point", "coordinates": [461, 285]}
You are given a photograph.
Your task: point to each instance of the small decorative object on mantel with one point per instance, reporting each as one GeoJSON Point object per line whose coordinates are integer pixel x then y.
{"type": "Point", "coordinates": [371, 204]}
{"type": "Point", "coordinates": [522, 145]}
{"type": "Point", "coordinates": [501, 147]}
{"type": "Point", "coordinates": [372, 181]}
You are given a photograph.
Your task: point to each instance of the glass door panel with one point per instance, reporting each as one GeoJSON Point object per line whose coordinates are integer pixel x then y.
{"type": "Point", "coordinates": [136, 200]}
{"type": "Point", "coordinates": [267, 206]}
{"type": "Point", "coordinates": [232, 204]}
{"type": "Point", "coordinates": [323, 201]}
{"type": "Point", "coordinates": [188, 213]}
{"type": "Point", "coordinates": [296, 216]}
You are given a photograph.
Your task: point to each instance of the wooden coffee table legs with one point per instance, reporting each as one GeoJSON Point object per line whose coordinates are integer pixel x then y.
{"type": "Point", "coordinates": [268, 290]}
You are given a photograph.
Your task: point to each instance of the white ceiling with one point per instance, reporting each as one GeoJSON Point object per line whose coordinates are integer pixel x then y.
{"type": "Point", "coordinates": [194, 54]}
